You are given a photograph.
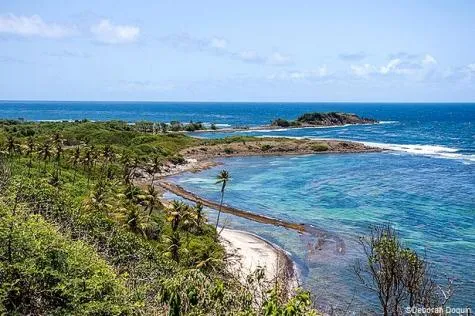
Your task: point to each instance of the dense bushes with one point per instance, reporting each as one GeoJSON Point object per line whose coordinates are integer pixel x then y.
{"type": "Point", "coordinates": [78, 237]}
{"type": "Point", "coordinates": [43, 272]}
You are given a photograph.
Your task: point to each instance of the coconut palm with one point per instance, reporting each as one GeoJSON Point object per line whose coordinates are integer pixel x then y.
{"type": "Point", "coordinates": [174, 242]}
{"type": "Point", "coordinates": [12, 145]}
{"type": "Point", "coordinates": [58, 153]}
{"type": "Point", "coordinates": [108, 154]}
{"type": "Point", "coordinates": [175, 214]}
{"type": "Point", "coordinates": [99, 200]}
{"type": "Point", "coordinates": [199, 217]}
{"type": "Point", "coordinates": [154, 167]}
{"type": "Point", "coordinates": [129, 168]}
{"type": "Point", "coordinates": [74, 160]}
{"type": "Point", "coordinates": [30, 149]}
{"type": "Point", "coordinates": [223, 178]}
{"type": "Point", "coordinates": [30, 146]}
{"type": "Point", "coordinates": [152, 200]}
{"type": "Point", "coordinates": [88, 161]}
{"type": "Point", "coordinates": [133, 194]}
{"type": "Point", "coordinates": [58, 145]}
{"type": "Point", "coordinates": [45, 152]}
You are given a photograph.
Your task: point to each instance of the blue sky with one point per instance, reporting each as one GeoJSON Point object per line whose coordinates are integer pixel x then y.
{"type": "Point", "coordinates": [237, 51]}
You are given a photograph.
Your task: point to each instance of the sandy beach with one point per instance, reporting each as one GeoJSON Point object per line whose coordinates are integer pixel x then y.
{"type": "Point", "coordinates": [248, 252]}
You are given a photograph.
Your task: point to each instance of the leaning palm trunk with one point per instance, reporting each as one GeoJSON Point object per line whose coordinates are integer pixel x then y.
{"type": "Point", "coordinates": [223, 178]}
{"type": "Point", "coordinates": [219, 210]}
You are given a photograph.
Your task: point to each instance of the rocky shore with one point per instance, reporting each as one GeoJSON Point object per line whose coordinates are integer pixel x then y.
{"type": "Point", "coordinates": [275, 146]}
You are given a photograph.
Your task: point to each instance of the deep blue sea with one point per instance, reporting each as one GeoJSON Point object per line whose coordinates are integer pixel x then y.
{"type": "Point", "coordinates": [424, 186]}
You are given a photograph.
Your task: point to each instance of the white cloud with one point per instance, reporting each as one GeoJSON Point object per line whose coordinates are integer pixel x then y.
{"type": "Point", "coordinates": [146, 86]}
{"type": "Point", "coordinates": [32, 26]}
{"type": "Point", "coordinates": [220, 47]}
{"type": "Point", "coordinates": [317, 74]}
{"type": "Point", "coordinates": [250, 56]}
{"type": "Point", "coordinates": [391, 66]}
{"type": "Point", "coordinates": [352, 56]}
{"type": "Point", "coordinates": [405, 65]}
{"type": "Point", "coordinates": [363, 70]}
{"type": "Point", "coordinates": [218, 43]}
{"type": "Point", "coordinates": [429, 60]}
{"type": "Point", "coordinates": [68, 53]}
{"type": "Point", "coordinates": [279, 59]}
{"type": "Point", "coordinates": [109, 33]}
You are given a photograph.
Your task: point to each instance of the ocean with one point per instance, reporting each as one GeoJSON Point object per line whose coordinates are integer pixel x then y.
{"type": "Point", "coordinates": [424, 186]}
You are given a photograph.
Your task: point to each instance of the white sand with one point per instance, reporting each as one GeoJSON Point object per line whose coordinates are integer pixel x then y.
{"type": "Point", "coordinates": [249, 252]}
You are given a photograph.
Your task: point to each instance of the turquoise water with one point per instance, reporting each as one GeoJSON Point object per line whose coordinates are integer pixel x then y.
{"type": "Point", "coordinates": [425, 187]}
{"type": "Point", "coordinates": [430, 204]}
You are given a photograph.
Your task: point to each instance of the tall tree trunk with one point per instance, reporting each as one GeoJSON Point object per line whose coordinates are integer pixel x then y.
{"type": "Point", "coordinates": [219, 211]}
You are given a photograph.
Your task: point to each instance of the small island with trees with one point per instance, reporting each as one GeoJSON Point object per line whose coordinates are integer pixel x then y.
{"type": "Point", "coordinates": [323, 119]}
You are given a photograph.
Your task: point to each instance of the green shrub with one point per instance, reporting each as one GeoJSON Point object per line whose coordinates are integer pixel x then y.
{"type": "Point", "coordinates": [46, 273]}
{"type": "Point", "coordinates": [266, 147]}
{"type": "Point", "coordinates": [280, 122]}
{"type": "Point", "coordinates": [228, 150]}
{"type": "Point", "coordinates": [320, 147]}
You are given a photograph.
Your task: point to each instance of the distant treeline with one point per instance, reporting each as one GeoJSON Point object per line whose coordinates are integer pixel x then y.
{"type": "Point", "coordinates": [140, 126]}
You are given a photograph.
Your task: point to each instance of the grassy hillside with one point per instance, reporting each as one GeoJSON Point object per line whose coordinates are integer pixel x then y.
{"type": "Point", "coordinates": [77, 237]}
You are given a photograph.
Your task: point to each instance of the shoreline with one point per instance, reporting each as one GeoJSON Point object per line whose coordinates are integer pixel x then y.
{"type": "Point", "coordinates": [274, 128]}
{"type": "Point", "coordinates": [204, 156]}
{"type": "Point", "coordinates": [274, 146]}
{"type": "Point", "coordinates": [322, 239]}
{"type": "Point", "coordinates": [253, 252]}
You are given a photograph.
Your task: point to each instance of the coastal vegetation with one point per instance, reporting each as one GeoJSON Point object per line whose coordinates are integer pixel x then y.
{"type": "Point", "coordinates": [80, 236]}
{"type": "Point", "coordinates": [84, 230]}
{"type": "Point", "coordinates": [223, 178]}
{"type": "Point", "coordinates": [323, 119]}
{"type": "Point", "coordinates": [401, 279]}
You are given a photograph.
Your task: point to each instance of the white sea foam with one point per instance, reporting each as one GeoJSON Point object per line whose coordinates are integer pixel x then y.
{"type": "Point", "coordinates": [388, 122]}
{"type": "Point", "coordinates": [436, 151]}
{"type": "Point", "coordinates": [270, 130]}
{"type": "Point", "coordinates": [263, 130]}
{"type": "Point", "coordinates": [55, 121]}
{"type": "Point", "coordinates": [425, 150]}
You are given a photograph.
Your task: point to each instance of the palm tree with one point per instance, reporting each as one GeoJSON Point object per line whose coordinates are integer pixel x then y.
{"type": "Point", "coordinates": [108, 154]}
{"type": "Point", "coordinates": [12, 145]}
{"type": "Point", "coordinates": [88, 161]}
{"type": "Point", "coordinates": [174, 217]}
{"type": "Point", "coordinates": [58, 145]}
{"type": "Point", "coordinates": [99, 199]}
{"type": "Point", "coordinates": [222, 178]}
{"type": "Point", "coordinates": [30, 149]}
{"type": "Point", "coordinates": [152, 199]}
{"type": "Point", "coordinates": [30, 146]}
{"type": "Point", "coordinates": [74, 159]}
{"type": "Point", "coordinates": [129, 168]}
{"type": "Point", "coordinates": [174, 241]}
{"type": "Point", "coordinates": [154, 167]}
{"type": "Point", "coordinates": [199, 218]}
{"type": "Point", "coordinates": [45, 152]}
{"type": "Point", "coordinates": [174, 214]}
{"type": "Point", "coordinates": [132, 194]}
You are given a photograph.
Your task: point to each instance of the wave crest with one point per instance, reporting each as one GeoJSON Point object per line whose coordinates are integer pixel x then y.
{"type": "Point", "coordinates": [425, 150]}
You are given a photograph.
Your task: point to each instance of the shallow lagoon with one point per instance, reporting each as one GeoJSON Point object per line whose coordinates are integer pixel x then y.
{"type": "Point", "coordinates": [430, 201]}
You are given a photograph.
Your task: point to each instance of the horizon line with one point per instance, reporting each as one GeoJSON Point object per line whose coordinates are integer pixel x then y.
{"type": "Point", "coordinates": [230, 102]}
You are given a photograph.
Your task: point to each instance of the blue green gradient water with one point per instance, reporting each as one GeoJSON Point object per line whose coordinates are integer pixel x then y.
{"type": "Point", "coordinates": [425, 187]}
{"type": "Point", "coordinates": [431, 205]}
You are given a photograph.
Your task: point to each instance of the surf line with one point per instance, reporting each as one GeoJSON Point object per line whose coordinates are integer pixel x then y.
{"type": "Point", "coordinates": [322, 236]}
